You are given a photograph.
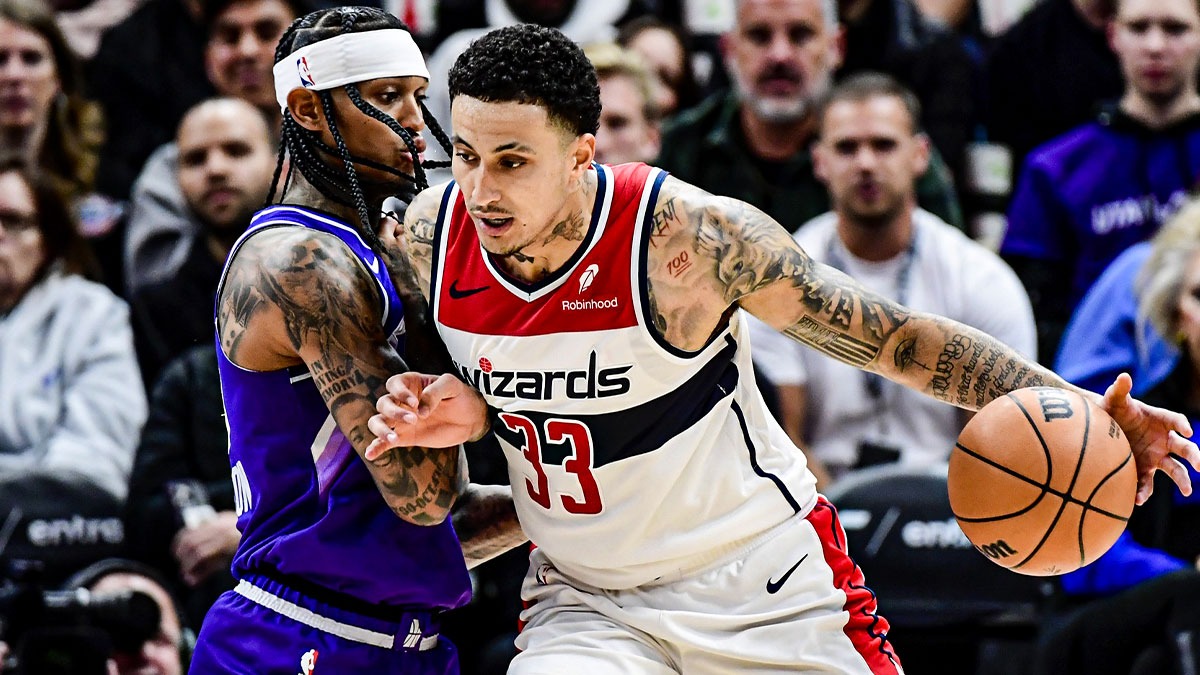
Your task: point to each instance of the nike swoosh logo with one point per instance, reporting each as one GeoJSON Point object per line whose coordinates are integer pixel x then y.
{"type": "Point", "coordinates": [459, 295]}
{"type": "Point", "coordinates": [774, 586]}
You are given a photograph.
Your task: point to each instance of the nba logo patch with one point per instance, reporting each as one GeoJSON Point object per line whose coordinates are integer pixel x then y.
{"type": "Point", "coordinates": [306, 78]}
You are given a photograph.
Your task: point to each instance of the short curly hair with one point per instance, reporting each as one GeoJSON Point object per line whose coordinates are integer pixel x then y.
{"type": "Point", "coordinates": [531, 64]}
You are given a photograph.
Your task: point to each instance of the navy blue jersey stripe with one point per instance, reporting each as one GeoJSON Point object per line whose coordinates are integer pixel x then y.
{"type": "Point", "coordinates": [440, 227]}
{"type": "Point", "coordinates": [737, 410]}
{"type": "Point", "coordinates": [642, 428]}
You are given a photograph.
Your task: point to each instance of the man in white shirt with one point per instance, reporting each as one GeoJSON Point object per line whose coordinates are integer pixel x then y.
{"type": "Point", "coordinates": [870, 154]}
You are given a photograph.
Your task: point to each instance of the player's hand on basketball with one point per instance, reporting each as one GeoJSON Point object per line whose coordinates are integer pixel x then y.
{"type": "Point", "coordinates": [1156, 436]}
{"type": "Point", "coordinates": [433, 411]}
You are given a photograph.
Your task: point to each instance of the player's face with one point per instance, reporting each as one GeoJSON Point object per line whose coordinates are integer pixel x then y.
{"type": "Point", "coordinates": [781, 56]}
{"type": "Point", "coordinates": [870, 157]}
{"type": "Point", "coordinates": [625, 134]}
{"type": "Point", "coordinates": [367, 137]}
{"type": "Point", "coordinates": [1158, 45]}
{"type": "Point", "coordinates": [517, 170]}
{"type": "Point", "coordinates": [22, 250]}
{"type": "Point", "coordinates": [28, 77]}
{"type": "Point", "coordinates": [241, 49]}
{"type": "Point", "coordinates": [225, 164]}
{"type": "Point", "coordinates": [1189, 309]}
{"type": "Point", "coordinates": [160, 654]}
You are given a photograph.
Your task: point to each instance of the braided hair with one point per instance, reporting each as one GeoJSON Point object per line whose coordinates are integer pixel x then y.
{"type": "Point", "coordinates": [305, 146]}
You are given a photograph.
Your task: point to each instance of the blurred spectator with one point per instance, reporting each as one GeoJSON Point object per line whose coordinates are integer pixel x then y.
{"type": "Point", "coordinates": [629, 115]}
{"type": "Point", "coordinates": [239, 55]}
{"type": "Point", "coordinates": [71, 402]}
{"type": "Point", "coordinates": [1090, 194]}
{"type": "Point", "coordinates": [166, 653]}
{"type": "Point", "coordinates": [225, 163]}
{"type": "Point", "coordinates": [84, 22]}
{"type": "Point", "coordinates": [1153, 285]}
{"type": "Point", "coordinates": [666, 50]}
{"type": "Point", "coordinates": [869, 154]}
{"type": "Point", "coordinates": [752, 142]}
{"type": "Point", "coordinates": [1048, 73]}
{"type": "Point", "coordinates": [147, 72]}
{"type": "Point", "coordinates": [893, 37]}
{"type": "Point", "coordinates": [180, 516]}
{"type": "Point", "coordinates": [44, 116]}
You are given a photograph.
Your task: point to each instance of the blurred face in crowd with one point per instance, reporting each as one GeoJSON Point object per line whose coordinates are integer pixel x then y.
{"type": "Point", "coordinates": [241, 50]}
{"type": "Point", "coordinates": [22, 250]}
{"type": "Point", "coordinates": [626, 134]}
{"type": "Point", "coordinates": [1158, 45]}
{"type": "Point", "coordinates": [781, 55]}
{"type": "Point", "coordinates": [1189, 309]}
{"type": "Point", "coordinates": [28, 77]}
{"type": "Point", "coordinates": [225, 163]}
{"type": "Point", "coordinates": [542, 12]}
{"type": "Point", "coordinates": [665, 57]}
{"type": "Point", "coordinates": [869, 156]}
{"type": "Point", "coordinates": [159, 655]}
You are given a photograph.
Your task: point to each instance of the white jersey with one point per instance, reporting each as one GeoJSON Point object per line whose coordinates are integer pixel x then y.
{"type": "Point", "coordinates": [630, 459]}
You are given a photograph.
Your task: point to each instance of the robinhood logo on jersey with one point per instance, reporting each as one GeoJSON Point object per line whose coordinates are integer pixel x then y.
{"type": "Point", "coordinates": [543, 385]}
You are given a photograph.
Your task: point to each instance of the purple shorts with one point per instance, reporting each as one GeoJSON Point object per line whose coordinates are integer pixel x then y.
{"type": "Point", "coordinates": [265, 628]}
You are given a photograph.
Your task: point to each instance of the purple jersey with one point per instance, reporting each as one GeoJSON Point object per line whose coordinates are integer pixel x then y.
{"type": "Point", "coordinates": [308, 509]}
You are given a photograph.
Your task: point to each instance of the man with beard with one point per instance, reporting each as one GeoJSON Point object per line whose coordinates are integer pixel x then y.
{"type": "Point", "coordinates": [225, 163]}
{"type": "Point", "coordinates": [869, 154]}
{"type": "Point", "coordinates": [1091, 193]}
{"type": "Point", "coordinates": [752, 142]}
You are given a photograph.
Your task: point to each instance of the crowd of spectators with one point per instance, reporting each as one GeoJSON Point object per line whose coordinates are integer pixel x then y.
{"type": "Point", "coordinates": [137, 138]}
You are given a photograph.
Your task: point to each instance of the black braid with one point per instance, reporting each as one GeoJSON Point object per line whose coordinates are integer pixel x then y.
{"type": "Point", "coordinates": [404, 134]}
{"type": "Point", "coordinates": [443, 140]}
{"type": "Point", "coordinates": [360, 201]}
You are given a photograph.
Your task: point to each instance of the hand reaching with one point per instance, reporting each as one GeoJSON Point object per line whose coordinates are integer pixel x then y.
{"type": "Point", "coordinates": [427, 411]}
{"type": "Point", "coordinates": [1156, 436]}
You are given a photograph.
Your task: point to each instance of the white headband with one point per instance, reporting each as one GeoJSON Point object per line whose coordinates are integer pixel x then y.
{"type": "Point", "coordinates": [349, 58]}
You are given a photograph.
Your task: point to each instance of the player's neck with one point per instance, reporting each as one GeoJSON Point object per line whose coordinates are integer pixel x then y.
{"type": "Point", "coordinates": [877, 241]}
{"type": "Point", "coordinates": [303, 193]}
{"type": "Point", "coordinates": [1157, 115]}
{"type": "Point", "coordinates": [560, 239]}
{"type": "Point", "coordinates": [776, 141]}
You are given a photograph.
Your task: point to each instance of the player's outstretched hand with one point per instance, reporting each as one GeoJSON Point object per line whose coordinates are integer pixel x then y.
{"type": "Point", "coordinates": [1156, 436]}
{"type": "Point", "coordinates": [432, 411]}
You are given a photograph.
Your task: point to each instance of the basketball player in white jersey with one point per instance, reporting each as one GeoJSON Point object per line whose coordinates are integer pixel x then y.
{"type": "Point", "coordinates": [678, 529]}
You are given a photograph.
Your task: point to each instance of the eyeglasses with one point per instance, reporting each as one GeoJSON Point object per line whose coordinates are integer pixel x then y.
{"type": "Point", "coordinates": [14, 221]}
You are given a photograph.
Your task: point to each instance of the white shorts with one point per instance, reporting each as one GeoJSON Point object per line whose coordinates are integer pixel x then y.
{"type": "Point", "coordinates": [791, 601]}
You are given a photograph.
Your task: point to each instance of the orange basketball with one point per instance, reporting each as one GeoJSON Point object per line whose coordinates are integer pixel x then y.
{"type": "Point", "coordinates": [1042, 481]}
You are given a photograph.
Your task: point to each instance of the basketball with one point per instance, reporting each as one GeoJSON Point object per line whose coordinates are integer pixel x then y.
{"type": "Point", "coordinates": [1042, 481]}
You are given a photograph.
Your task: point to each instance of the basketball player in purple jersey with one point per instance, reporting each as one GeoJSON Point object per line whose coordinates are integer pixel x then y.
{"type": "Point", "coordinates": [343, 564]}
{"type": "Point", "coordinates": [597, 309]}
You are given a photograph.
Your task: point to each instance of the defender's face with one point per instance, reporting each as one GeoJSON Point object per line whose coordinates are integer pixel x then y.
{"type": "Point", "coordinates": [514, 166]}
{"type": "Point", "coordinates": [240, 51]}
{"type": "Point", "coordinates": [1158, 45]}
{"type": "Point", "coordinates": [869, 157]}
{"type": "Point", "coordinates": [369, 138]}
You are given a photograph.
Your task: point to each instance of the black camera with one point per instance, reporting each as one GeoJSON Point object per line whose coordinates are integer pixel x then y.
{"type": "Point", "coordinates": [70, 632]}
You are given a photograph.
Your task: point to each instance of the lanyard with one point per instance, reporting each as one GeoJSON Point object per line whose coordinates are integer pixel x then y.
{"type": "Point", "coordinates": [871, 382]}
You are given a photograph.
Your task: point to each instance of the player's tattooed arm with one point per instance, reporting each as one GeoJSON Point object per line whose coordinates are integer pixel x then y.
{"type": "Point", "coordinates": [486, 522]}
{"type": "Point", "coordinates": [297, 297]}
{"type": "Point", "coordinates": [715, 254]}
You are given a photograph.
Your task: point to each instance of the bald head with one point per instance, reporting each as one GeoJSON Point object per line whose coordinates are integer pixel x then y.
{"type": "Point", "coordinates": [226, 161]}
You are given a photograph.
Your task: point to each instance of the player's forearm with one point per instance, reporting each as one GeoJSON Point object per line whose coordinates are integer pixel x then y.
{"type": "Point", "coordinates": [420, 485]}
{"type": "Point", "coordinates": [486, 522]}
{"type": "Point", "coordinates": [958, 364]}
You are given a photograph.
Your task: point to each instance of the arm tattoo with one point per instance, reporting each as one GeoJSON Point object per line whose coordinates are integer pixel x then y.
{"type": "Point", "coordinates": [486, 522]}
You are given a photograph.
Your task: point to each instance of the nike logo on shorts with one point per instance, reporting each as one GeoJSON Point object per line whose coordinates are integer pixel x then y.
{"type": "Point", "coordinates": [459, 295]}
{"type": "Point", "coordinates": [774, 586]}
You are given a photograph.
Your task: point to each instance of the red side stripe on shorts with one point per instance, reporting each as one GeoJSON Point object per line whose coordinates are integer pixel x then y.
{"type": "Point", "coordinates": [866, 629]}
